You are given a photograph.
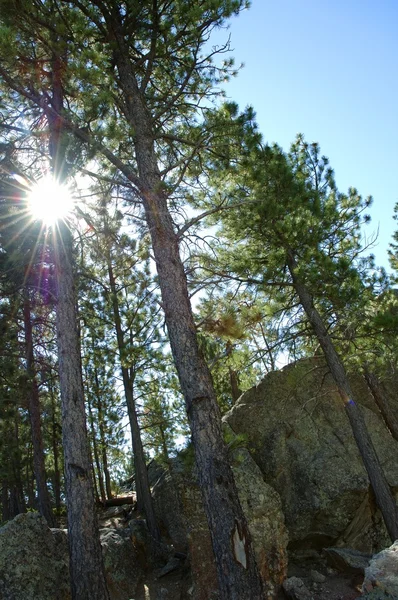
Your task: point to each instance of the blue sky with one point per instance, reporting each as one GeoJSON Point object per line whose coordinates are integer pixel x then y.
{"type": "Point", "coordinates": [328, 70]}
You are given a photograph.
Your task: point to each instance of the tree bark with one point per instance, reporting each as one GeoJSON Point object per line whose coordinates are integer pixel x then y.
{"type": "Point", "coordinates": [86, 564]}
{"type": "Point", "coordinates": [378, 481]}
{"type": "Point", "coordinates": [43, 497]}
{"type": "Point", "coordinates": [382, 402]}
{"type": "Point", "coordinates": [238, 575]}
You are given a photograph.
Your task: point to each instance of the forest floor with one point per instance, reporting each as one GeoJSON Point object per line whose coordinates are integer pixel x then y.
{"type": "Point", "coordinates": [176, 584]}
{"type": "Point", "coordinates": [175, 587]}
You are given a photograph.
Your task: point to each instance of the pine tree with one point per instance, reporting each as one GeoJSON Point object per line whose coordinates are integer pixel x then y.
{"type": "Point", "coordinates": [293, 228]}
{"type": "Point", "coordinates": [138, 85]}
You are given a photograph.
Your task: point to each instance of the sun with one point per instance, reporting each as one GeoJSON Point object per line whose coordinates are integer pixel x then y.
{"type": "Point", "coordinates": [49, 201]}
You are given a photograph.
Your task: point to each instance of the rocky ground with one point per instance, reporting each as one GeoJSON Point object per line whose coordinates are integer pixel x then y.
{"type": "Point", "coordinates": [312, 578]}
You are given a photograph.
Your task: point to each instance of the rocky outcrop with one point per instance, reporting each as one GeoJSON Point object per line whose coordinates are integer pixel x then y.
{"type": "Point", "coordinates": [300, 437]}
{"type": "Point", "coordinates": [122, 569]}
{"type": "Point", "coordinates": [34, 561]}
{"type": "Point", "coordinates": [178, 504]}
{"type": "Point", "coordinates": [381, 576]}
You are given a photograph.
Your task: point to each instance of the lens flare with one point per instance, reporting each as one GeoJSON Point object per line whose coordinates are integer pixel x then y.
{"type": "Point", "coordinates": [49, 201]}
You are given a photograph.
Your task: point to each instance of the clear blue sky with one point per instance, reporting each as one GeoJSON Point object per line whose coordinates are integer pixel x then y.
{"type": "Point", "coordinates": [328, 70]}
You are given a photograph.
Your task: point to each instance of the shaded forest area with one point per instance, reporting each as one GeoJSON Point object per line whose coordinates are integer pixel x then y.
{"type": "Point", "coordinates": [197, 258]}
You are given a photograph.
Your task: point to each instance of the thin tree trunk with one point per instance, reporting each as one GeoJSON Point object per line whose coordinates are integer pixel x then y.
{"type": "Point", "coordinates": [382, 402]}
{"type": "Point", "coordinates": [238, 575]}
{"type": "Point", "coordinates": [104, 456]}
{"type": "Point", "coordinates": [143, 490]}
{"type": "Point", "coordinates": [5, 504]}
{"type": "Point", "coordinates": [96, 454]}
{"type": "Point", "coordinates": [55, 447]}
{"type": "Point", "coordinates": [236, 392]}
{"type": "Point", "coordinates": [378, 481]}
{"type": "Point", "coordinates": [17, 488]}
{"type": "Point", "coordinates": [86, 564]}
{"type": "Point", "coordinates": [43, 496]}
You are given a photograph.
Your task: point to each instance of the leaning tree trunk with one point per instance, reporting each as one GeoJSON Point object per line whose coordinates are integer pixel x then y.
{"type": "Point", "coordinates": [378, 481]}
{"type": "Point", "coordinates": [237, 571]}
{"type": "Point", "coordinates": [43, 497]}
{"type": "Point", "coordinates": [86, 565]}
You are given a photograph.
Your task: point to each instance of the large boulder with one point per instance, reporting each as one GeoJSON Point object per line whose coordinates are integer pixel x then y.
{"type": "Point", "coordinates": [34, 561]}
{"type": "Point", "coordinates": [179, 508]}
{"type": "Point", "coordinates": [300, 437]}
{"type": "Point", "coordinates": [381, 576]}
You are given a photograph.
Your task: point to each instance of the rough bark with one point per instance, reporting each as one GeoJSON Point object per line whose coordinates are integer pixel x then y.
{"type": "Point", "coordinates": [378, 481]}
{"type": "Point", "coordinates": [382, 402]}
{"type": "Point", "coordinates": [143, 490]}
{"type": "Point", "coordinates": [86, 565]}
{"type": "Point", "coordinates": [43, 497]}
{"type": "Point", "coordinates": [237, 570]}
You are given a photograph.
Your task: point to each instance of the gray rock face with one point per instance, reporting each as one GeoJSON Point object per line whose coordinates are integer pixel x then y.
{"type": "Point", "coordinates": [346, 560]}
{"type": "Point", "coordinates": [123, 572]}
{"type": "Point", "coordinates": [301, 439]}
{"type": "Point", "coordinates": [381, 576]}
{"type": "Point", "coordinates": [295, 589]}
{"type": "Point", "coordinates": [34, 561]}
{"type": "Point", "coordinates": [178, 504]}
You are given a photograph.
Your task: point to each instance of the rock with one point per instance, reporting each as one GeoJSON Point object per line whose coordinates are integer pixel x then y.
{"type": "Point", "coordinates": [300, 437]}
{"type": "Point", "coordinates": [123, 572]}
{"type": "Point", "coordinates": [173, 564]}
{"type": "Point", "coordinates": [115, 511]}
{"type": "Point", "coordinates": [178, 505]}
{"type": "Point", "coordinates": [376, 595]}
{"type": "Point", "coordinates": [346, 560]}
{"type": "Point", "coordinates": [34, 563]}
{"type": "Point", "coordinates": [382, 573]}
{"type": "Point", "coordinates": [295, 589]}
{"type": "Point", "coordinates": [149, 553]}
{"type": "Point", "coordinates": [317, 577]}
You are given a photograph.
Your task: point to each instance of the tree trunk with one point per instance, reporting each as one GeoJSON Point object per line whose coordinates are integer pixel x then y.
{"type": "Point", "coordinates": [86, 565]}
{"type": "Point", "coordinates": [43, 497]}
{"type": "Point", "coordinates": [236, 392]}
{"type": "Point", "coordinates": [238, 575]}
{"type": "Point", "coordinates": [96, 454]}
{"type": "Point", "coordinates": [382, 402]}
{"type": "Point", "coordinates": [17, 491]}
{"type": "Point", "coordinates": [5, 505]}
{"type": "Point", "coordinates": [55, 447]}
{"type": "Point", "coordinates": [101, 428]}
{"type": "Point", "coordinates": [143, 490]}
{"type": "Point", "coordinates": [119, 501]}
{"type": "Point", "coordinates": [378, 481]}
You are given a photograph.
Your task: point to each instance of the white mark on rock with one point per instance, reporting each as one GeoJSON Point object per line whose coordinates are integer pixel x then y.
{"type": "Point", "coordinates": [239, 546]}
